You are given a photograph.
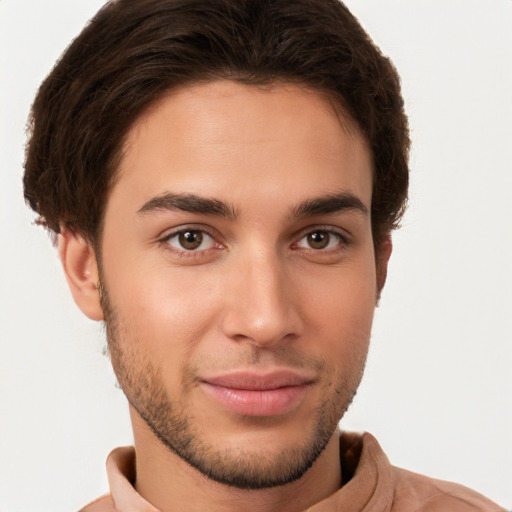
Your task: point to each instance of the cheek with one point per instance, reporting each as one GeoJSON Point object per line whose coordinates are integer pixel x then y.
{"type": "Point", "coordinates": [342, 310]}
{"type": "Point", "coordinates": [160, 326]}
{"type": "Point", "coordinates": [161, 307]}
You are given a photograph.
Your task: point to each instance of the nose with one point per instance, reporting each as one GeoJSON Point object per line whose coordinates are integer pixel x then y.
{"type": "Point", "coordinates": [260, 305]}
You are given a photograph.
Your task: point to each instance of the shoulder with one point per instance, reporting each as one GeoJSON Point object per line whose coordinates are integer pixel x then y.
{"type": "Point", "coordinates": [419, 493]}
{"type": "Point", "coordinates": [103, 504]}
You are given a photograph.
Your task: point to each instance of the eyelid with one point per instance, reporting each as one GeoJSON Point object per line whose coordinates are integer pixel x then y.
{"type": "Point", "coordinates": [170, 232]}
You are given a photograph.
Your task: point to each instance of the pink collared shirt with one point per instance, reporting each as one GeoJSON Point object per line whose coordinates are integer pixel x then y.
{"type": "Point", "coordinates": [371, 485]}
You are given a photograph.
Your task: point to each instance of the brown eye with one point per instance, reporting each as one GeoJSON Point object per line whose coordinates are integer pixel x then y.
{"type": "Point", "coordinates": [318, 239]}
{"type": "Point", "coordinates": [190, 240]}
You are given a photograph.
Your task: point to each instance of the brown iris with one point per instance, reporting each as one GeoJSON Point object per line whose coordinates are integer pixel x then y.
{"type": "Point", "coordinates": [190, 240]}
{"type": "Point", "coordinates": [318, 239]}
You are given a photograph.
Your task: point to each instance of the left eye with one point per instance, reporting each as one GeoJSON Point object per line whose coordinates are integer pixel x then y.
{"type": "Point", "coordinates": [319, 240]}
{"type": "Point", "coordinates": [191, 240]}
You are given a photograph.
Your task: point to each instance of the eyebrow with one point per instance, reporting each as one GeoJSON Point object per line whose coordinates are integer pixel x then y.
{"type": "Point", "coordinates": [331, 203]}
{"type": "Point", "coordinates": [192, 203]}
{"type": "Point", "coordinates": [188, 203]}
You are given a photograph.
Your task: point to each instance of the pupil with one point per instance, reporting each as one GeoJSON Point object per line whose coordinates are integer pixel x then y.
{"type": "Point", "coordinates": [191, 239]}
{"type": "Point", "coordinates": [318, 239]}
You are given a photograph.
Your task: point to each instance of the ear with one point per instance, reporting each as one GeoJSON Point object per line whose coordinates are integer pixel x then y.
{"type": "Point", "coordinates": [80, 266]}
{"type": "Point", "coordinates": [381, 261]}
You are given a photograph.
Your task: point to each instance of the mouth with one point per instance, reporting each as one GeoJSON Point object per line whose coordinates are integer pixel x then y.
{"type": "Point", "coordinates": [256, 394]}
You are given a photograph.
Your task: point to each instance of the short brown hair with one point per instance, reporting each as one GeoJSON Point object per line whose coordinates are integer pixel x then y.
{"type": "Point", "coordinates": [134, 51]}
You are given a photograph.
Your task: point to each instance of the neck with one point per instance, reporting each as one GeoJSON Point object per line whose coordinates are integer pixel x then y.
{"type": "Point", "coordinates": [172, 485]}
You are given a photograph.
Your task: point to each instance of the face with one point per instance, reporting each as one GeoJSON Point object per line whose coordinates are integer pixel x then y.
{"type": "Point", "coordinates": [238, 276]}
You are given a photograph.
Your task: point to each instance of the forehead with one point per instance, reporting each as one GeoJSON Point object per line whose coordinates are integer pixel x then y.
{"type": "Point", "coordinates": [222, 137]}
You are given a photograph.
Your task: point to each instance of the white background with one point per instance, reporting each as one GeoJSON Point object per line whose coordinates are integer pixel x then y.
{"type": "Point", "coordinates": [438, 387]}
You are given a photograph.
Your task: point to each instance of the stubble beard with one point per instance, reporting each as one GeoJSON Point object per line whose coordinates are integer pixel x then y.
{"type": "Point", "coordinates": [241, 468]}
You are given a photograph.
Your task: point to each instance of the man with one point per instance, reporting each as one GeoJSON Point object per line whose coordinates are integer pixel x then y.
{"type": "Point", "coordinates": [224, 178]}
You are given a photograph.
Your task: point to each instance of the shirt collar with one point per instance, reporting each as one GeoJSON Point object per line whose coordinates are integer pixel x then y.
{"type": "Point", "coordinates": [367, 474]}
{"type": "Point", "coordinates": [121, 475]}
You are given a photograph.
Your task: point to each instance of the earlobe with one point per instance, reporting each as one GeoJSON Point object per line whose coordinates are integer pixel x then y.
{"type": "Point", "coordinates": [78, 259]}
{"type": "Point", "coordinates": [382, 260]}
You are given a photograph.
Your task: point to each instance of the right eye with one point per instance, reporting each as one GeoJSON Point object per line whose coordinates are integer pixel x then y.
{"type": "Point", "coordinates": [190, 240]}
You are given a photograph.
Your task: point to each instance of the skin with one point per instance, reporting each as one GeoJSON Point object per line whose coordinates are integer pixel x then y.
{"type": "Point", "coordinates": [273, 286]}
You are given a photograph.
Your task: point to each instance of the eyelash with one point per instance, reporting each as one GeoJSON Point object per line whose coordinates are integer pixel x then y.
{"type": "Point", "coordinates": [344, 241]}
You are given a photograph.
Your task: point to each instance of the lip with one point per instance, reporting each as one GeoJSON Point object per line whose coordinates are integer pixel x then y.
{"type": "Point", "coordinates": [257, 394]}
